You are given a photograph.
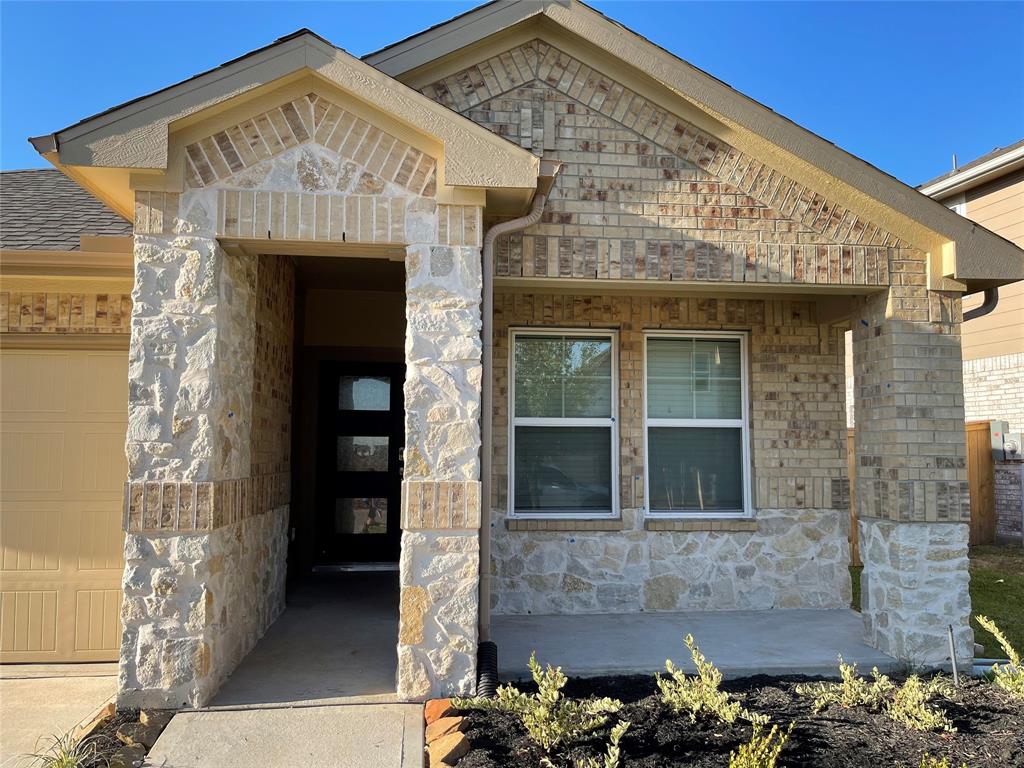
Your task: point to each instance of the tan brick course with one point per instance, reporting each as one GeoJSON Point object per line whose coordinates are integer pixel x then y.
{"type": "Point", "coordinates": [60, 312]}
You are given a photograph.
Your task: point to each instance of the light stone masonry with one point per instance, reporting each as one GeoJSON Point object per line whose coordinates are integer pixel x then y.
{"type": "Point", "coordinates": [793, 559]}
{"type": "Point", "coordinates": [914, 585]}
{"type": "Point", "coordinates": [439, 571]}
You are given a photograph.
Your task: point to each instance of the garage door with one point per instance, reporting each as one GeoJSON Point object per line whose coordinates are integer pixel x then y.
{"type": "Point", "coordinates": [62, 470]}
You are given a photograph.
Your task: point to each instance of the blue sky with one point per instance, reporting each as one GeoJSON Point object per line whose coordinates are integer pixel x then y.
{"type": "Point", "coordinates": [902, 85]}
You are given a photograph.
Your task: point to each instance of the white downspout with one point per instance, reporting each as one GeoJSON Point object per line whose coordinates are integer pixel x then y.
{"type": "Point", "coordinates": [486, 390]}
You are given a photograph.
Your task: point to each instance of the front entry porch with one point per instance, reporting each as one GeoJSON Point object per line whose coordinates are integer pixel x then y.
{"type": "Point", "coordinates": [740, 643]}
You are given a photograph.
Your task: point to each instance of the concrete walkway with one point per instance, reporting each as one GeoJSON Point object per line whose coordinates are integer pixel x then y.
{"type": "Point", "coordinates": [740, 643]}
{"type": "Point", "coordinates": [42, 700]}
{"type": "Point", "coordinates": [318, 690]}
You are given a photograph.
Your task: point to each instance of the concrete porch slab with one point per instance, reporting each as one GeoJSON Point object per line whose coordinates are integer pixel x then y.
{"type": "Point", "coordinates": [353, 736]}
{"type": "Point", "coordinates": [740, 643]}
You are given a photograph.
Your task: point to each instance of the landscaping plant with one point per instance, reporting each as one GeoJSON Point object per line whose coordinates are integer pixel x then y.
{"type": "Point", "coordinates": [612, 757]}
{"type": "Point", "coordinates": [851, 691]}
{"type": "Point", "coordinates": [700, 694]}
{"type": "Point", "coordinates": [909, 704]}
{"type": "Point", "coordinates": [906, 704]}
{"type": "Point", "coordinates": [1009, 677]}
{"type": "Point", "coordinates": [65, 752]}
{"type": "Point", "coordinates": [548, 717]}
{"type": "Point", "coordinates": [927, 761]}
{"type": "Point", "coordinates": [762, 750]}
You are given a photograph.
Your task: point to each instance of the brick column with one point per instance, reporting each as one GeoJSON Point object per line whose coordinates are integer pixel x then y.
{"type": "Point", "coordinates": [912, 495]}
{"type": "Point", "coordinates": [439, 571]}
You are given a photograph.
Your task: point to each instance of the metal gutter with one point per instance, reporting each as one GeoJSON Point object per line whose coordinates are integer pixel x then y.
{"type": "Point", "coordinates": [988, 305]}
{"type": "Point", "coordinates": [548, 171]}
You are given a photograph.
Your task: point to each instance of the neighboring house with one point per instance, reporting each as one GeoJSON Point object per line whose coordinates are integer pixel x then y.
{"type": "Point", "coordinates": [990, 191]}
{"type": "Point", "coordinates": [654, 370]}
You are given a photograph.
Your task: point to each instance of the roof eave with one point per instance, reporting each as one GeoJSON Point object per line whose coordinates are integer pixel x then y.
{"type": "Point", "coordinates": [976, 175]}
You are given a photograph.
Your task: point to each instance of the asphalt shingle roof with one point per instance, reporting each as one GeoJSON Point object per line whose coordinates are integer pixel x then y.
{"type": "Point", "coordinates": [42, 209]}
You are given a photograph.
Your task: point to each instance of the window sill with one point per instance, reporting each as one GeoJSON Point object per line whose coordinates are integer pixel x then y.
{"type": "Point", "coordinates": [571, 524]}
{"type": "Point", "coordinates": [724, 524]}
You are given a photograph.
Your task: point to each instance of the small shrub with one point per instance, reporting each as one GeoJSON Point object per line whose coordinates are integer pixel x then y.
{"type": "Point", "coordinates": [1009, 677]}
{"type": "Point", "coordinates": [852, 691]}
{"type": "Point", "coordinates": [762, 750]}
{"type": "Point", "coordinates": [909, 704]}
{"type": "Point", "coordinates": [612, 758]}
{"type": "Point", "coordinates": [700, 694]}
{"type": "Point", "coordinates": [549, 718]}
{"type": "Point", "coordinates": [927, 761]}
{"type": "Point", "coordinates": [65, 752]}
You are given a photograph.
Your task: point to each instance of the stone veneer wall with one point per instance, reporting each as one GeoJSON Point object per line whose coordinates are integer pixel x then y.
{"type": "Point", "coordinates": [994, 389]}
{"type": "Point", "coordinates": [439, 572]}
{"type": "Point", "coordinates": [1009, 496]}
{"type": "Point", "coordinates": [206, 508]}
{"type": "Point", "coordinates": [794, 554]}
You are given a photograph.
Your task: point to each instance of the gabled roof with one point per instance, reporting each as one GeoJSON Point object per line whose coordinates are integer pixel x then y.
{"type": "Point", "coordinates": [971, 253]}
{"type": "Point", "coordinates": [44, 210]}
{"type": "Point", "coordinates": [135, 136]}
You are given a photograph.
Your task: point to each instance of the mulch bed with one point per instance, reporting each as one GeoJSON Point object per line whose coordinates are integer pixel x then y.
{"type": "Point", "coordinates": [105, 737]}
{"type": "Point", "coordinates": [990, 730]}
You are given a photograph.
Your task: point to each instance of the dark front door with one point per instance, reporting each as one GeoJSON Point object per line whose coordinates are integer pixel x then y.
{"type": "Point", "coordinates": [359, 469]}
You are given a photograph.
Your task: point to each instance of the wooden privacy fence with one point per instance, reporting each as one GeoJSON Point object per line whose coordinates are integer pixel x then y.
{"type": "Point", "coordinates": [980, 479]}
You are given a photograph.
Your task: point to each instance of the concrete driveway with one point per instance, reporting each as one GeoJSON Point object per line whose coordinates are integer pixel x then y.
{"type": "Point", "coordinates": [41, 700]}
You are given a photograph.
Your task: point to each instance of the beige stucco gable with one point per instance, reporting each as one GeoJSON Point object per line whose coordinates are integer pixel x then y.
{"type": "Point", "coordinates": [958, 249]}
{"type": "Point", "coordinates": [127, 147]}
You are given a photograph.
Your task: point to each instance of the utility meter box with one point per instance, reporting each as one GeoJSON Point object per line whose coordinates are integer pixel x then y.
{"type": "Point", "coordinates": [1006, 445]}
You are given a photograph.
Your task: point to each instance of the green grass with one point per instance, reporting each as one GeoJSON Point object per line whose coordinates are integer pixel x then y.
{"type": "Point", "coordinates": [997, 591]}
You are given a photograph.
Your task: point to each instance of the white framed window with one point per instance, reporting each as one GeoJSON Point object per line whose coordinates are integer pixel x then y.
{"type": "Point", "coordinates": [696, 428]}
{"type": "Point", "coordinates": [563, 437]}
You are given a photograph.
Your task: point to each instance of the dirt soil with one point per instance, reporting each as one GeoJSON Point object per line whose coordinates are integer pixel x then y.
{"type": "Point", "coordinates": [990, 730]}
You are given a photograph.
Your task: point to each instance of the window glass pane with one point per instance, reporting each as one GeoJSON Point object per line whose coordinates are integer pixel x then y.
{"type": "Point", "coordinates": [361, 516]}
{"type": "Point", "coordinates": [694, 379]}
{"type": "Point", "coordinates": [695, 469]}
{"type": "Point", "coordinates": [539, 361]}
{"type": "Point", "coordinates": [364, 393]}
{"type": "Point", "coordinates": [563, 468]}
{"type": "Point", "coordinates": [670, 378]}
{"type": "Point", "coordinates": [717, 382]}
{"type": "Point", "coordinates": [558, 376]}
{"type": "Point", "coordinates": [360, 453]}
{"type": "Point", "coordinates": [588, 377]}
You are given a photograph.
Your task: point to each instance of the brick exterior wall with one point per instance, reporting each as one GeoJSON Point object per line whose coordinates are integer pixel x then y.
{"type": "Point", "coordinates": [797, 400]}
{"type": "Point", "coordinates": [271, 447]}
{"type": "Point", "coordinates": [798, 453]}
{"type": "Point", "coordinates": [52, 312]}
{"type": "Point", "coordinates": [1009, 495]}
{"type": "Point", "coordinates": [994, 389]}
{"type": "Point", "coordinates": [647, 195]}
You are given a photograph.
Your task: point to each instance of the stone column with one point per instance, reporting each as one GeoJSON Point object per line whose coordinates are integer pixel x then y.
{"type": "Point", "coordinates": [439, 570]}
{"type": "Point", "coordinates": [205, 542]}
{"type": "Point", "coordinates": [912, 494]}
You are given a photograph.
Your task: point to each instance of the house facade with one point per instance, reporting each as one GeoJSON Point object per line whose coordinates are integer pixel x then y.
{"type": "Point", "coordinates": [990, 191]}
{"type": "Point", "coordinates": [619, 383]}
